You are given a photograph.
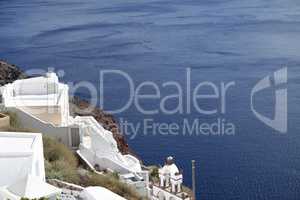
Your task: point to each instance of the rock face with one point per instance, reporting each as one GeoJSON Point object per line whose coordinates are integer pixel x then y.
{"type": "Point", "coordinates": [10, 73]}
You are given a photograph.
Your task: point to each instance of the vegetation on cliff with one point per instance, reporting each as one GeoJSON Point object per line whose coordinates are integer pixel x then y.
{"type": "Point", "coordinates": [63, 165]}
{"type": "Point", "coordinates": [9, 73]}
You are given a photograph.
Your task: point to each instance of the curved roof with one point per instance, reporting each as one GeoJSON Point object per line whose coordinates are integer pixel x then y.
{"type": "Point", "coordinates": [100, 193]}
{"type": "Point", "coordinates": [20, 154]}
{"type": "Point", "coordinates": [32, 187]}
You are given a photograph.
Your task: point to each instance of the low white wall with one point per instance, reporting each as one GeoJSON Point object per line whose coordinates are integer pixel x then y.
{"type": "Point", "coordinates": [159, 193]}
{"type": "Point", "coordinates": [102, 162]}
{"type": "Point", "coordinates": [33, 124]}
{"type": "Point", "coordinates": [49, 114]}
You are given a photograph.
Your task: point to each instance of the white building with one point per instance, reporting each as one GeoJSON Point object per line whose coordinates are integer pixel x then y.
{"type": "Point", "coordinates": [42, 105]}
{"type": "Point", "coordinates": [99, 193]}
{"type": "Point", "coordinates": [44, 97]}
{"type": "Point", "coordinates": [22, 172]}
{"type": "Point", "coordinates": [170, 183]}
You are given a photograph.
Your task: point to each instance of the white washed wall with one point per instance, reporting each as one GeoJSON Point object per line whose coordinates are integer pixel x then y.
{"type": "Point", "coordinates": [33, 124]}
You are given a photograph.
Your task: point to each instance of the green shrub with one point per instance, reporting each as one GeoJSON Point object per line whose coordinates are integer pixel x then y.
{"type": "Point", "coordinates": [154, 174]}
{"type": "Point", "coordinates": [62, 171]}
{"type": "Point", "coordinates": [56, 151]}
{"type": "Point", "coordinates": [14, 125]}
{"type": "Point", "coordinates": [60, 162]}
{"type": "Point", "coordinates": [14, 121]}
{"type": "Point", "coordinates": [112, 183]}
{"type": "Point", "coordinates": [115, 175]}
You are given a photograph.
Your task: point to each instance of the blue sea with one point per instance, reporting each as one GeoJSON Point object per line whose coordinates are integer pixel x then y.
{"type": "Point", "coordinates": [158, 40]}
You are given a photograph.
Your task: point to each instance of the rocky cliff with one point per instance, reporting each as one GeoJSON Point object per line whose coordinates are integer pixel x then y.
{"type": "Point", "coordinates": [10, 73]}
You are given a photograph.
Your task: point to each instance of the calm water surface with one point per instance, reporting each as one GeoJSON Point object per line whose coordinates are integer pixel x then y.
{"type": "Point", "coordinates": [156, 40]}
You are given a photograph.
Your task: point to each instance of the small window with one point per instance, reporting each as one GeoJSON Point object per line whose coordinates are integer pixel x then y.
{"type": "Point", "coordinates": [75, 138]}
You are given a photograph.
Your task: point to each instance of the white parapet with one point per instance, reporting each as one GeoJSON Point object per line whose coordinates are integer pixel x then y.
{"type": "Point", "coordinates": [20, 154]}
{"type": "Point", "coordinates": [22, 169]}
{"type": "Point", "coordinates": [99, 193]}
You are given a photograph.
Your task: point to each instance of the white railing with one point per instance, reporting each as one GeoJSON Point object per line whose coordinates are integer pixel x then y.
{"type": "Point", "coordinates": [97, 128]}
{"type": "Point", "coordinates": [111, 157]}
{"type": "Point", "coordinates": [177, 177]}
{"type": "Point", "coordinates": [133, 159]}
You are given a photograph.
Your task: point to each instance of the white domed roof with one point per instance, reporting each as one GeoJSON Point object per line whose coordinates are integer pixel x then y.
{"type": "Point", "coordinates": [97, 193]}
